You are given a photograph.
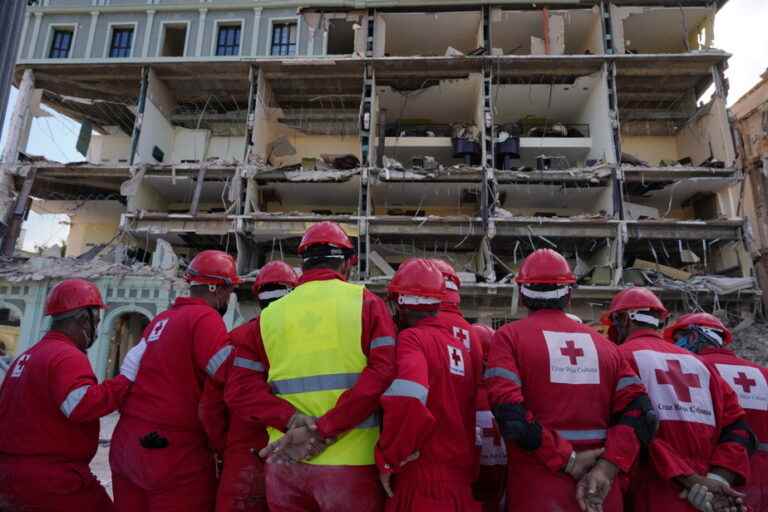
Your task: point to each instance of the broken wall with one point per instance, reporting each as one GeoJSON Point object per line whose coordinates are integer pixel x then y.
{"type": "Point", "coordinates": [156, 128]}
{"type": "Point", "coordinates": [709, 135]}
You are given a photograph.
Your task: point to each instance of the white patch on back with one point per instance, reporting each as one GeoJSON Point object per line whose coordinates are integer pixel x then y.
{"type": "Point", "coordinates": [455, 360]}
{"type": "Point", "coordinates": [749, 384]}
{"type": "Point", "coordinates": [678, 385]}
{"type": "Point", "coordinates": [572, 358]}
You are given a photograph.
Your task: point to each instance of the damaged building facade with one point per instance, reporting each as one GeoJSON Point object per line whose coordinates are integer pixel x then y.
{"type": "Point", "coordinates": [473, 132]}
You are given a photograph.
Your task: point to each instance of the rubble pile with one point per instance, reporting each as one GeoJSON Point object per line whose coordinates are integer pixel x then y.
{"type": "Point", "coordinates": [752, 342]}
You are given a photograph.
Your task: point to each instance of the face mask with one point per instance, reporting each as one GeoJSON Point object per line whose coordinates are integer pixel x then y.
{"type": "Point", "coordinates": [223, 306]}
{"type": "Point", "coordinates": [686, 341]}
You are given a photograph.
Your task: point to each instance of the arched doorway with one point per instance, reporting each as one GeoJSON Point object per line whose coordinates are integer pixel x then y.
{"type": "Point", "coordinates": [125, 333]}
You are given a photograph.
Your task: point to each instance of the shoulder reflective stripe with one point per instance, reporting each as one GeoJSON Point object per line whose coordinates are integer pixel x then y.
{"type": "Point", "coordinates": [583, 435]}
{"type": "Point", "coordinates": [384, 341]}
{"type": "Point", "coordinates": [370, 422]}
{"type": "Point", "coordinates": [215, 362]}
{"type": "Point", "coordinates": [73, 400]}
{"type": "Point", "coordinates": [503, 373]}
{"type": "Point", "coordinates": [625, 382]}
{"type": "Point", "coordinates": [408, 388]}
{"type": "Point", "coordinates": [249, 364]}
{"type": "Point", "coordinates": [314, 383]}
{"type": "Point", "coordinates": [763, 447]}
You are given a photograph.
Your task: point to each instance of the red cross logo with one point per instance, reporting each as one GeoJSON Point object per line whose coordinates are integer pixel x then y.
{"type": "Point", "coordinates": [492, 433]}
{"type": "Point", "coordinates": [745, 382]}
{"type": "Point", "coordinates": [571, 352]}
{"type": "Point", "coordinates": [455, 356]}
{"type": "Point", "coordinates": [680, 382]}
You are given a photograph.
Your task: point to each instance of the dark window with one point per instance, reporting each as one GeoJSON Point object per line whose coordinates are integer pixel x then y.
{"type": "Point", "coordinates": [283, 39]}
{"type": "Point", "coordinates": [228, 42]}
{"type": "Point", "coordinates": [62, 42]}
{"type": "Point", "coordinates": [121, 42]}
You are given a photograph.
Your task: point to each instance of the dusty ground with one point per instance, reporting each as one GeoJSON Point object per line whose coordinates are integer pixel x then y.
{"type": "Point", "coordinates": [100, 463]}
{"type": "Point", "coordinates": [752, 343]}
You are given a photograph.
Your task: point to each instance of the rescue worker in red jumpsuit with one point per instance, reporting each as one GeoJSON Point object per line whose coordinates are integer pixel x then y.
{"type": "Point", "coordinates": [325, 351]}
{"type": "Point", "coordinates": [161, 458]}
{"type": "Point", "coordinates": [703, 443]}
{"type": "Point", "coordinates": [705, 335]}
{"type": "Point", "coordinates": [241, 484]}
{"type": "Point", "coordinates": [428, 435]}
{"type": "Point", "coordinates": [452, 317]}
{"type": "Point", "coordinates": [491, 481]}
{"type": "Point", "coordinates": [50, 405]}
{"type": "Point", "coordinates": [571, 410]}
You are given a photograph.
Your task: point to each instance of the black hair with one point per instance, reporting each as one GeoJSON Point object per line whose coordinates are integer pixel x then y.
{"type": "Point", "coordinates": [537, 304]}
{"type": "Point", "coordinates": [323, 262]}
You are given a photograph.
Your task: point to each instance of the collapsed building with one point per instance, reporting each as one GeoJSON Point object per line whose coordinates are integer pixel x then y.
{"type": "Point", "coordinates": [472, 132]}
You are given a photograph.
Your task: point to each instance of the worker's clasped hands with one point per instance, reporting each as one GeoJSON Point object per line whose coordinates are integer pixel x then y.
{"type": "Point", "coordinates": [300, 442]}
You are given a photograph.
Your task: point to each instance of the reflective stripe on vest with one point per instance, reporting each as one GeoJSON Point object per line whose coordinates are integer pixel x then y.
{"type": "Point", "coordinates": [73, 399]}
{"type": "Point", "coordinates": [312, 340]}
{"type": "Point", "coordinates": [763, 447]}
{"type": "Point", "coordinates": [583, 435]}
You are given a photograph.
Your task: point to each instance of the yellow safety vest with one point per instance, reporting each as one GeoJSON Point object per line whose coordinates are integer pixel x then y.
{"type": "Point", "coordinates": [312, 339]}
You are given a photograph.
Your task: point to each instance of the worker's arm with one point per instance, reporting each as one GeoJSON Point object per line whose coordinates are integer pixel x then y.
{"type": "Point", "coordinates": [213, 411]}
{"type": "Point", "coordinates": [247, 393]}
{"type": "Point", "coordinates": [407, 420]}
{"type": "Point", "coordinates": [358, 403]}
{"type": "Point", "coordinates": [209, 346]}
{"type": "Point", "coordinates": [634, 422]}
{"type": "Point", "coordinates": [517, 424]}
{"type": "Point", "coordinates": [78, 394]}
{"type": "Point", "coordinates": [737, 442]}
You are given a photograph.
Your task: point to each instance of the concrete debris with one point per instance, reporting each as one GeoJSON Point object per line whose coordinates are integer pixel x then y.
{"type": "Point", "coordinates": [751, 342]}
{"type": "Point", "coordinates": [391, 163]}
{"type": "Point", "coordinates": [304, 176]}
{"type": "Point", "coordinates": [42, 268]}
{"type": "Point", "coordinates": [453, 52]}
{"type": "Point", "coordinates": [164, 258]}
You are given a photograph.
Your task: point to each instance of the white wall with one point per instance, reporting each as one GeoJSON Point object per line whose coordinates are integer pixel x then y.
{"type": "Point", "coordinates": [596, 113]}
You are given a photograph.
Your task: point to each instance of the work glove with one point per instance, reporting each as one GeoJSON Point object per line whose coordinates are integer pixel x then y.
{"type": "Point", "coordinates": [132, 361]}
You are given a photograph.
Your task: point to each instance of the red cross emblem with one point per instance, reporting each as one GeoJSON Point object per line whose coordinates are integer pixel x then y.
{"type": "Point", "coordinates": [745, 382]}
{"type": "Point", "coordinates": [571, 352]}
{"type": "Point", "coordinates": [455, 356]}
{"type": "Point", "coordinates": [680, 382]}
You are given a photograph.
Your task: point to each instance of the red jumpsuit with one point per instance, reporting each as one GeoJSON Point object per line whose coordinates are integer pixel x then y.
{"type": "Point", "coordinates": [572, 381]}
{"type": "Point", "coordinates": [307, 487]}
{"type": "Point", "coordinates": [50, 405]}
{"type": "Point", "coordinates": [241, 484]}
{"type": "Point", "coordinates": [174, 469]}
{"type": "Point", "coordinates": [750, 383]}
{"type": "Point", "coordinates": [693, 405]}
{"type": "Point", "coordinates": [430, 408]}
{"type": "Point", "coordinates": [491, 478]}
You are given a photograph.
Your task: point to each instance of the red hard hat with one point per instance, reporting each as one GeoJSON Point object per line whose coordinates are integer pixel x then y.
{"type": "Point", "coordinates": [701, 320]}
{"type": "Point", "coordinates": [452, 281]}
{"type": "Point", "coordinates": [483, 333]}
{"type": "Point", "coordinates": [275, 272]}
{"type": "Point", "coordinates": [212, 267]}
{"type": "Point", "coordinates": [72, 294]}
{"type": "Point", "coordinates": [635, 298]}
{"type": "Point", "coordinates": [325, 233]}
{"type": "Point", "coordinates": [545, 266]}
{"type": "Point", "coordinates": [417, 284]}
